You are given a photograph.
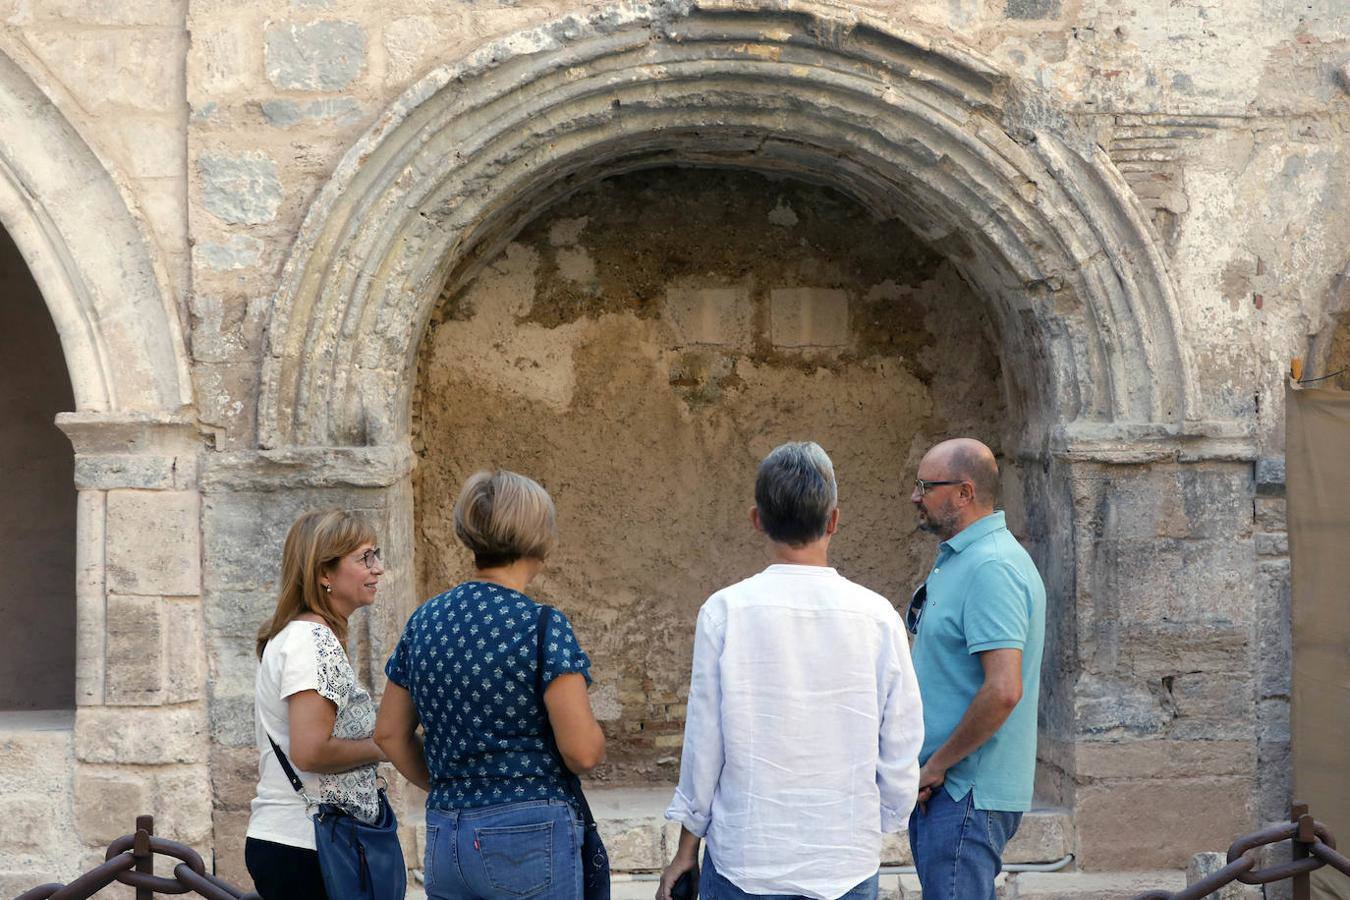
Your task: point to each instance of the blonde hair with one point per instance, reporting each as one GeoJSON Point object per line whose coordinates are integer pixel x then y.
{"type": "Point", "coordinates": [502, 517]}
{"type": "Point", "coordinates": [316, 541]}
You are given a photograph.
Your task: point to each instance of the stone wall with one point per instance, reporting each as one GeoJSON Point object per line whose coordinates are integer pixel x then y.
{"type": "Point", "coordinates": [243, 217]}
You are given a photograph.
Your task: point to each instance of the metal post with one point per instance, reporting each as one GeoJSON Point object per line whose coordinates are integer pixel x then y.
{"type": "Point", "coordinates": [1298, 847]}
{"type": "Point", "coordinates": [145, 857]}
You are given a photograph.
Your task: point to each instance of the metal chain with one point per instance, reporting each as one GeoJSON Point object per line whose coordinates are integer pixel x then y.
{"type": "Point", "coordinates": [130, 860]}
{"type": "Point", "coordinates": [1314, 847]}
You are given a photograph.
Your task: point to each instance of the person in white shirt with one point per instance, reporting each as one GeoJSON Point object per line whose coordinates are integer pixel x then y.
{"type": "Point", "coordinates": [804, 723]}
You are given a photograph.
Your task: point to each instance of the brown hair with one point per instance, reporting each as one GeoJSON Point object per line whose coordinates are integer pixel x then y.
{"type": "Point", "coordinates": [316, 540]}
{"type": "Point", "coordinates": [502, 517]}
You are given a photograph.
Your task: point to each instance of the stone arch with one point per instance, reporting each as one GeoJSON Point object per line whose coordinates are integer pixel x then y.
{"type": "Point", "coordinates": [90, 258]}
{"type": "Point", "coordinates": [1031, 211]}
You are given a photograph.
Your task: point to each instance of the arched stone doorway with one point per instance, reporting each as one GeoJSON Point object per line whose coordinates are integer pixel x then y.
{"type": "Point", "coordinates": [1100, 396]}
{"type": "Point", "coordinates": [136, 735]}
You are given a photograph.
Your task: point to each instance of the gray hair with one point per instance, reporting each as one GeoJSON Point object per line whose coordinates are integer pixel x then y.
{"type": "Point", "coordinates": [795, 492]}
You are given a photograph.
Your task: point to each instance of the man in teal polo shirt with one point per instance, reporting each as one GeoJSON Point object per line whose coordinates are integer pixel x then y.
{"type": "Point", "coordinates": [980, 625]}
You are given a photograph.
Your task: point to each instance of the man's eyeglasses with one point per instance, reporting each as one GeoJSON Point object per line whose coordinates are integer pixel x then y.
{"type": "Point", "coordinates": [370, 557]}
{"type": "Point", "coordinates": [923, 486]}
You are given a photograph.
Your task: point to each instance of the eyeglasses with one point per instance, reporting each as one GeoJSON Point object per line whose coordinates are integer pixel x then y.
{"type": "Point", "coordinates": [923, 486]}
{"type": "Point", "coordinates": [370, 557]}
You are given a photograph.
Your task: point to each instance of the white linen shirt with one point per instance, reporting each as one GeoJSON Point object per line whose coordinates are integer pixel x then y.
{"type": "Point", "coordinates": [802, 735]}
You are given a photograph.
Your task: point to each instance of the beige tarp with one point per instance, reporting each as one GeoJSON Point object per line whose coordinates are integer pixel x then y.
{"type": "Point", "coordinates": [1318, 482]}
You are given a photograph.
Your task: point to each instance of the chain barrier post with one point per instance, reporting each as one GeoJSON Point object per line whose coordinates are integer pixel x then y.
{"type": "Point", "coordinates": [1299, 844]}
{"type": "Point", "coordinates": [145, 857]}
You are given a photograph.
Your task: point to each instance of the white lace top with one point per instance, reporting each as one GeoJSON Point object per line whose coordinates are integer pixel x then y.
{"type": "Point", "coordinates": [306, 656]}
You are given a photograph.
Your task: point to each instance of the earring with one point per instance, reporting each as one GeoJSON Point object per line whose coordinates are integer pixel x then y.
{"type": "Point", "coordinates": [328, 588]}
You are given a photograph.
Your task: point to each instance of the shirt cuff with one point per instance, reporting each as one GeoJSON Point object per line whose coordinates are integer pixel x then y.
{"type": "Point", "coordinates": [682, 811]}
{"type": "Point", "coordinates": [892, 821]}
{"type": "Point", "coordinates": [1004, 644]}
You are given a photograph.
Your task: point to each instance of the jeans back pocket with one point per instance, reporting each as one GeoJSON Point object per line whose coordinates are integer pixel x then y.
{"type": "Point", "coordinates": [517, 859]}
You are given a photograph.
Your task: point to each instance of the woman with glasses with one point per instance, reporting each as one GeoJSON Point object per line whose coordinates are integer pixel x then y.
{"type": "Point", "coordinates": [307, 701]}
{"type": "Point", "coordinates": [469, 669]}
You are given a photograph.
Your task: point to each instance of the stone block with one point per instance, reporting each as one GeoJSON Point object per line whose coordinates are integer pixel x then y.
{"type": "Point", "coordinates": [1274, 788]}
{"type": "Point", "coordinates": [1163, 759]}
{"type": "Point", "coordinates": [240, 189]}
{"type": "Point", "coordinates": [236, 251]}
{"type": "Point", "coordinates": [703, 315]}
{"type": "Point", "coordinates": [1156, 824]}
{"type": "Point", "coordinates": [110, 12]}
{"type": "Point", "coordinates": [808, 317]}
{"type": "Point", "coordinates": [1203, 865]}
{"type": "Point", "coordinates": [1184, 502]}
{"type": "Point", "coordinates": [1032, 9]}
{"type": "Point", "coordinates": [152, 543]}
{"type": "Point", "coordinates": [112, 471]}
{"type": "Point", "coordinates": [120, 68]}
{"type": "Point", "coordinates": [1270, 476]}
{"type": "Point", "coordinates": [184, 651]}
{"type": "Point", "coordinates": [238, 613]}
{"type": "Point", "coordinates": [1213, 706]}
{"type": "Point", "coordinates": [286, 113]}
{"type": "Point", "coordinates": [1272, 720]}
{"type": "Point", "coordinates": [135, 651]}
{"type": "Point", "coordinates": [30, 822]}
{"type": "Point", "coordinates": [36, 752]}
{"type": "Point", "coordinates": [1272, 513]}
{"type": "Point", "coordinates": [1156, 648]}
{"type": "Point", "coordinates": [182, 803]}
{"type": "Point", "coordinates": [1092, 885]}
{"type": "Point", "coordinates": [318, 56]}
{"type": "Point", "coordinates": [1206, 581]}
{"type": "Point", "coordinates": [1106, 704]}
{"type": "Point", "coordinates": [152, 147]}
{"type": "Point", "coordinates": [106, 805]}
{"type": "Point", "coordinates": [1272, 544]}
{"type": "Point", "coordinates": [234, 776]}
{"type": "Point", "coordinates": [1274, 639]}
{"type": "Point", "coordinates": [140, 736]}
{"type": "Point", "coordinates": [228, 828]}
{"type": "Point", "coordinates": [223, 59]}
{"type": "Point", "coordinates": [412, 41]}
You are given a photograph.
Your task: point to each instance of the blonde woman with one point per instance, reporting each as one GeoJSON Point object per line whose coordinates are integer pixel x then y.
{"type": "Point", "coordinates": [468, 669]}
{"type": "Point", "coordinates": [307, 699]}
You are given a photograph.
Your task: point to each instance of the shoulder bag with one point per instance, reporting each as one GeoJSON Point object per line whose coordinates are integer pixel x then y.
{"type": "Point", "coordinates": [594, 858]}
{"type": "Point", "coordinates": [358, 861]}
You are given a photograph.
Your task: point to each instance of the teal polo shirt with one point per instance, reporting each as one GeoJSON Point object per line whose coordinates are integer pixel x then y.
{"type": "Point", "coordinates": [984, 593]}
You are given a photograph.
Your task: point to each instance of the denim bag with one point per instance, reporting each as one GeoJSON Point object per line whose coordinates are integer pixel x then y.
{"type": "Point", "coordinates": [358, 861]}
{"type": "Point", "coordinates": [594, 857]}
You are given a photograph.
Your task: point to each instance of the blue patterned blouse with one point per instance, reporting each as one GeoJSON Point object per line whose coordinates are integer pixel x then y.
{"type": "Point", "coordinates": [468, 658]}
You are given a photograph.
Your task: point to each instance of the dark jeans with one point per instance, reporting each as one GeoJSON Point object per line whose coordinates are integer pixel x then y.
{"type": "Point", "coordinates": [283, 872]}
{"type": "Point", "coordinates": [958, 849]}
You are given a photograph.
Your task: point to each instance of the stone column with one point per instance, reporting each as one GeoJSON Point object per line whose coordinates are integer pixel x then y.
{"type": "Point", "coordinates": [140, 722]}
{"type": "Point", "coordinates": [250, 500]}
{"type": "Point", "coordinates": [1158, 719]}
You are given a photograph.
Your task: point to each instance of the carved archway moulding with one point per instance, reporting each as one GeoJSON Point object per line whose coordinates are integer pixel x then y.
{"type": "Point", "coordinates": [1032, 212]}
{"type": "Point", "coordinates": [90, 259]}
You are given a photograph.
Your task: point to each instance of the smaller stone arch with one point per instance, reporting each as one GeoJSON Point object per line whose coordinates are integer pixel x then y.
{"type": "Point", "coordinates": [1033, 213]}
{"type": "Point", "coordinates": [86, 251]}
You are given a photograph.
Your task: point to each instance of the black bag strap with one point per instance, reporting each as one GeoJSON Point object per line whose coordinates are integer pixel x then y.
{"type": "Point", "coordinates": [570, 781]}
{"type": "Point", "coordinates": [287, 768]}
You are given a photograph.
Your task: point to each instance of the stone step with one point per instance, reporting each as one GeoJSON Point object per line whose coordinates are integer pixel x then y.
{"type": "Point", "coordinates": [1011, 886]}
{"type": "Point", "coordinates": [639, 839]}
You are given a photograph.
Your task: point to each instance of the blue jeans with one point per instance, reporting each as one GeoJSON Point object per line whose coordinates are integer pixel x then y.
{"type": "Point", "coordinates": [530, 849]}
{"type": "Point", "coordinates": [712, 886]}
{"type": "Point", "coordinates": [958, 849]}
